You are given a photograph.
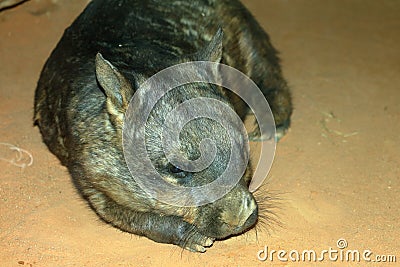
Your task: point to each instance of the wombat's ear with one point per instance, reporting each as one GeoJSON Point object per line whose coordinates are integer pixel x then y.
{"type": "Point", "coordinates": [115, 85]}
{"type": "Point", "coordinates": [213, 51]}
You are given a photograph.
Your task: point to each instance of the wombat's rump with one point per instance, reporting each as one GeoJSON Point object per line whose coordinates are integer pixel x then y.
{"type": "Point", "coordinates": [82, 96]}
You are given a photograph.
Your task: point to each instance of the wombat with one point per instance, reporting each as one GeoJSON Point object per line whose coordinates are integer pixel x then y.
{"type": "Point", "coordinates": [87, 83]}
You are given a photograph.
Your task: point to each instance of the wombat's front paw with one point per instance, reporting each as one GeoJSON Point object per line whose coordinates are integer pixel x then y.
{"type": "Point", "coordinates": [197, 242]}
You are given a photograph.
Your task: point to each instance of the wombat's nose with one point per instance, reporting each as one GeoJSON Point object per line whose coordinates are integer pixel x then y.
{"type": "Point", "coordinates": [241, 212]}
{"type": "Point", "coordinates": [248, 214]}
{"type": "Point", "coordinates": [251, 220]}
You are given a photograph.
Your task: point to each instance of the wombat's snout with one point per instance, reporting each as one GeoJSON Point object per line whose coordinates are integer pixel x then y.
{"type": "Point", "coordinates": [250, 212]}
{"type": "Point", "coordinates": [233, 214]}
{"type": "Point", "coordinates": [247, 215]}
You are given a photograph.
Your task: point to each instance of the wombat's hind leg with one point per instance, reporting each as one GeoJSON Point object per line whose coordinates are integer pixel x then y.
{"type": "Point", "coordinates": [252, 53]}
{"type": "Point", "coordinates": [279, 101]}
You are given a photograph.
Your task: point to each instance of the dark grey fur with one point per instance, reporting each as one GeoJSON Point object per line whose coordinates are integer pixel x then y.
{"type": "Point", "coordinates": [81, 99]}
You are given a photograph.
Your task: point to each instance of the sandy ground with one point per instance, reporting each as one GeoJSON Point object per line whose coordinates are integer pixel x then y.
{"type": "Point", "coordinates": [337, 170]}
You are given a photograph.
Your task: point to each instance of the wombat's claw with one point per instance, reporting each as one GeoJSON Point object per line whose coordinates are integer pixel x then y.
{"type": "Point", "coordinates": [200, 244]}
{"type": "Point", "coordinates": [280, 132]}
{"type": "Point", "coordinates": [255, 136]}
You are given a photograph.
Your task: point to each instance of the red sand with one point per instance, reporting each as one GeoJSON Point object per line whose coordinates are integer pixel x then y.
{"type": "Point", "coordinates": [337, 170]}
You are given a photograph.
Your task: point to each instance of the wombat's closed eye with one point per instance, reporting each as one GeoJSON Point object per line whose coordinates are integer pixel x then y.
{"type": "Point", "coordinates": [175, 170]}
{"type": "Point", "coordinates": [85, 89]}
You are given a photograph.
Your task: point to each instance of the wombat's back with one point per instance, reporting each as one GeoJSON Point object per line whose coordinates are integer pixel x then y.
{"type": "Point", "coordinates": [137, 36]}
{"type": "Point", "coordinates": [144, 37]}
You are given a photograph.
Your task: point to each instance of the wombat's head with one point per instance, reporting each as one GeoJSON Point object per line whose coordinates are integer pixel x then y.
{"type": "Point", "coordinates": [202, 138]}
{"type": "Point", "coordinates": [230, 214]}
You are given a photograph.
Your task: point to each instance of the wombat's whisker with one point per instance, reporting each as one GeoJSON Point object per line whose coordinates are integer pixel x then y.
{"type": "Point", "coordinates": [269, 203]}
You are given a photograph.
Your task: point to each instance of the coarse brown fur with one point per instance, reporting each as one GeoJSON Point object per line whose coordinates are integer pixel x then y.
{"type": "Point", "coordinates": [82, 96]}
